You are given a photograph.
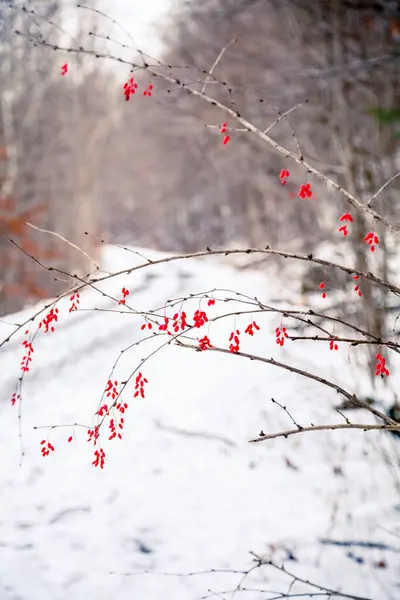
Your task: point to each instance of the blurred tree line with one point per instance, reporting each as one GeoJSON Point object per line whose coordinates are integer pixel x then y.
{"type": "Point", "coordinates": [342, 56]}
{"type": "Point", "coordinates": [51, 148]}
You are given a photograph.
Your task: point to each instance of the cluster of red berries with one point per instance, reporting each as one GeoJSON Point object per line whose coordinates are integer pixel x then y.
{"type": "Point", "coordinates": [372, 240]}
{"type": "Point", "coordinates": [75, 302]}
{"type": "Point", "coordinates": [283, 176]}
{"type": "Point", "coordinates": [51, 316]}
{"type": "Point", "coordinates": [223, 130]}
{"type": "Point", "coordinates": [103, 410]}
{"type": "Point", "coordinates": [14, 398]}
{"type": "Point", "coordinates": [345, 217]}
{"type": "Point", "coordinates": [356, 288]}
{"type": "Point", "coordinates": [235, 341]}
{"type": "Point", "coordinates": [122, 406]}
{"type": "Point", "coordinates": [27, 358]}
{"type": "Point", "coordinates": [93, 435]}
{"type": "Point", "coordinates": [99, 458]}
{"type": "Point", "coordinates": [148, 91]}
{"type": "Point", "coordinates": [381, 368]}
{"type": "Point", "coordinates": [130, 88]}
{"type": "Point", "coordinates": [200, 318]}
{"type": "Point", "coordinates": [204, 343]}
{"type": "Point", "coordinates": [333, 345]}
{"type": "Point", "coordinates": [46, 448]}
{"type": "Point", "coordinates": [281, 334]}
{"type": "Point", "coordinates": [139, 385]}
{"type": "Point", "coordinates": [179, 322]}
{"type": "Point", "coordinates": [113, 428]}
{"type": "Point", "coordinates": [305, 191]}
{"type": "Point", "coordinates": [322, 287]}
{"type": "Point", "coordinates": [164, 326]}
{"type": "Point", "coordinates": [249, 328]}
{"type": "Point", "coordinates": [111, 389]}
{"type": "Point", "coordinates": [125, 294]}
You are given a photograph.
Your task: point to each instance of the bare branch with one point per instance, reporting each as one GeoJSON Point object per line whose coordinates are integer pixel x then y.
{"type": "Point", "coordinates": [244, 573]}
{"type": "Point", "coordinates": [364, 427]}
{"type": "Point", "coordinates": [306, 581]}
{"type": "Point", "coordinates": [352, 341]}
{"type": "Point", "coordinates": [292, 369]}
{"type": "Point", "coordinates": [383, 187]}
{"type": "Point", "coordinates": [85, 283]}
{"type": "Point", "coordinates": [215, 64]}
{"type": "Point", "coordinates": [287, 412]}
{"type": "Point", "coordinates": [64, 240]}
{"type": "Point", "coordinates": [283, 115]}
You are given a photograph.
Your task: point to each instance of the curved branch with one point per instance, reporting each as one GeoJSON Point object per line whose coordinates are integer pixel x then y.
{"type": "Point", "coordinates": [292, 369]}
{"type": "Point", "coordinates": [209, 252]}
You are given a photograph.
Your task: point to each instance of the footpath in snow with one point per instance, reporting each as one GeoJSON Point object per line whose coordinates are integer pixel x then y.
{"type": "Point", "coordinates": [183, 490]}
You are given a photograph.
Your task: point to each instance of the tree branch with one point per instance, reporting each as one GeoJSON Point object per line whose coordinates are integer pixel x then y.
{"type": "Point", "coordinates": [353, 201]}
{"type": "Point", "coordinates": [292, 369]}
{"type": "Point", "coordinates": [365, 427]}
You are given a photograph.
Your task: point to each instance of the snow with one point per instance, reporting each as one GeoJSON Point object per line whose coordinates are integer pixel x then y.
{"type": "Point", "coordinates": [184, 491]}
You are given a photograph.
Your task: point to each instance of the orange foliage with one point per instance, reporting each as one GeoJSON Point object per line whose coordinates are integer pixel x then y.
{"type": "Point", "coordinates": [13, 224]}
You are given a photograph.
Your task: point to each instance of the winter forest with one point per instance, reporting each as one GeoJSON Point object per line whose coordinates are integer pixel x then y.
{"type": "Point", "coordinates": [199, 299]}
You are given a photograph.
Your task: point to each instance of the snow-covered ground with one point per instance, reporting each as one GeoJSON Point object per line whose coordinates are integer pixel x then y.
{"type": "Point", "coordinates": [184, 491]}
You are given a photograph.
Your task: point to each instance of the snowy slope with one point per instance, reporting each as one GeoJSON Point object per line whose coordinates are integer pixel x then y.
{"type": "Point", "coordinates": [183, 490]}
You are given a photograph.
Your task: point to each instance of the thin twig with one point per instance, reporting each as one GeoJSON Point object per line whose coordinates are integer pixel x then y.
{"type": "Point", "coordinates": [283, 569]}
{"type": "Point", "coordinates": [382, 188]}
{"type": "Point", "coordinates": [287, 412]}
{"type": "Point", "coordinates": [64, 240]}
{"type": "Point", "coordinates": [283, 115]}
{"type": "Point", "coordinates": [353, 342]}
{"type": "Point", "coordinates": [215, 64]}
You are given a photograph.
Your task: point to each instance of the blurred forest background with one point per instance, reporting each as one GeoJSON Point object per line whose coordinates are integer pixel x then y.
{"type": "Point", "coordinates": [75, 157]}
